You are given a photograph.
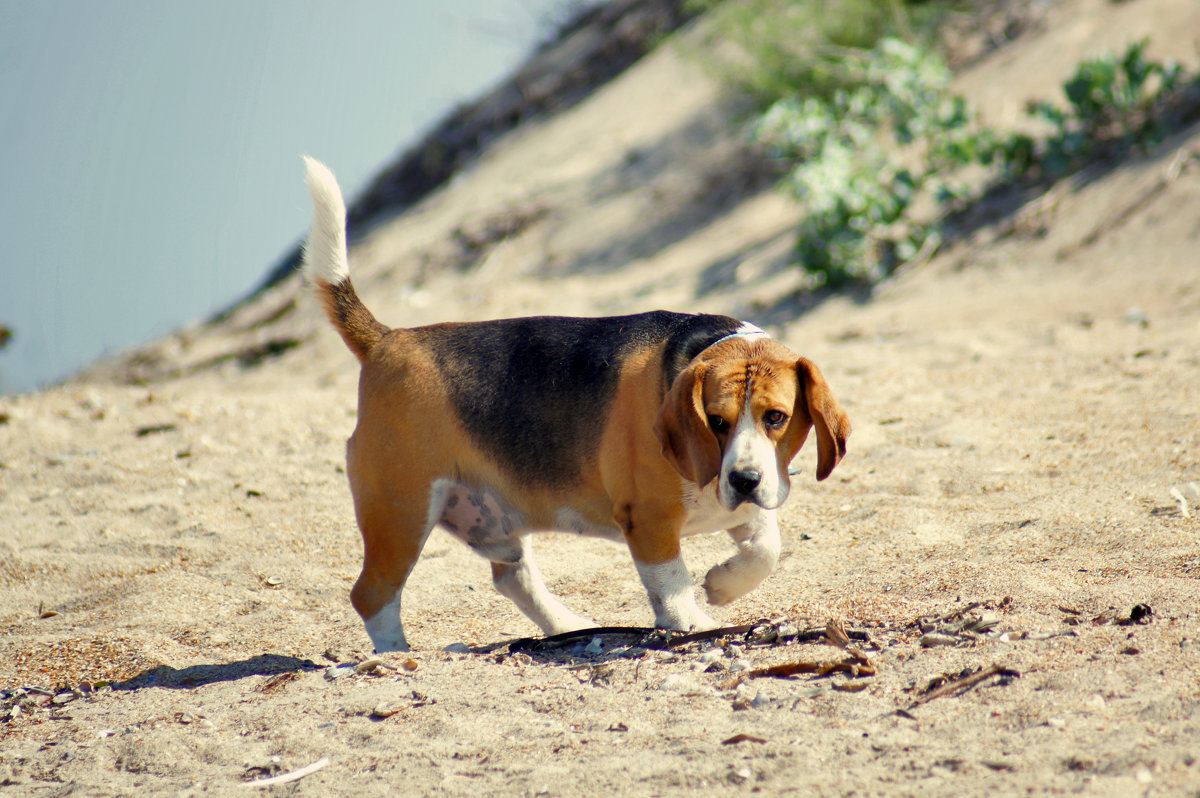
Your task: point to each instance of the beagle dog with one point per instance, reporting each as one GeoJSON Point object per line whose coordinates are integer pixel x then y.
{"type": "Point", "coordinates": [643, 429]}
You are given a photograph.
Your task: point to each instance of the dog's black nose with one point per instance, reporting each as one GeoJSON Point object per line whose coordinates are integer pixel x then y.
{"type": "Point", "coordinates": [745, 480]}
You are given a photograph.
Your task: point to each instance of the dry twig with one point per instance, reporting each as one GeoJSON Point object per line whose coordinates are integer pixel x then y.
{"type": "Point", "coordinates": [295, 775]}
{"type": "Point", "coordinates": [964, 684]}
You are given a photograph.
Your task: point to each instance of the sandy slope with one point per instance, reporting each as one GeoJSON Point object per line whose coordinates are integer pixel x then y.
{"type": "Point", "coordinates": [1023, 407]}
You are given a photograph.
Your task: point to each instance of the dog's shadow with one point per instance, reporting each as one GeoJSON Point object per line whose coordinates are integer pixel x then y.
{"type": "Point", "coordinates": [200, 675]}
{"type": "Point", "coordinates": [587, 646]}
{"type": "Point", "coordinates": [607, 643]}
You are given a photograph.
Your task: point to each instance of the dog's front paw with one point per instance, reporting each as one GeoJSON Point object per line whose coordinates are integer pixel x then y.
{"type": "Point", "coordinates": [568, 622]}
{"type": "Point", "coordinates": [697, 621]}
{"type": "Point", "coordinates": [681, 614]}
{"type": "Point", "coordinates": [719, 586]}
{"type": "Point", "coordinates": [672, 596]}
{"type": "Point", "coordinates": [732, 579]}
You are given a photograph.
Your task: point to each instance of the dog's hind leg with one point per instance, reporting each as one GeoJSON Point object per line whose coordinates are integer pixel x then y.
{"type": "Point", "coordinates": [394, 532]}
{"type": "Point", "coordinates": [520, 580]}
{"type": "Point", "coordinates": [392, 541]}
{"type": "Point", "coordinates": [388, 561]}
{"type": "Point", "coordinates": [493, 530]}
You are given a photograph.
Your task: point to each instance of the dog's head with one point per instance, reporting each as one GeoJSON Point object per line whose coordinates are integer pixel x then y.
{"type": "Point", "coordinates": [741, 411]}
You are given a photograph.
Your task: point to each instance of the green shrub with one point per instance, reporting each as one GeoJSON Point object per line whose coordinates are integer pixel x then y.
{"type": "Point", "coordinates": [770, 49]}
{"type": "Point", "coordinates": [859, 159]}
{"type": "Point", "coordinates": [1111, 103]}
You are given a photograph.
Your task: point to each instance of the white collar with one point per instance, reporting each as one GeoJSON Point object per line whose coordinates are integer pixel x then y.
{"type": "Point", "coordinates": [747, 330]}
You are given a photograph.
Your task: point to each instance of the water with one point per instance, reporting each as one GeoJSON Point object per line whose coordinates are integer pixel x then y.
{"type": "Point", "coordinates": [151, 150]}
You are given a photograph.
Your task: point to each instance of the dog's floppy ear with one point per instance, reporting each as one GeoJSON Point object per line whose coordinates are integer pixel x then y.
{"type": "Point", "coordinates": [682, 428]}
{"type": "Point", "coordinates": [816, 401]}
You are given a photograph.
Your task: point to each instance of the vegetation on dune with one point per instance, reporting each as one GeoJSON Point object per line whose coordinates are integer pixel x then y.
{"type": "Point", "coordinates": [771, 49]}
{"type": "Point", "coordinates": [877, 147]}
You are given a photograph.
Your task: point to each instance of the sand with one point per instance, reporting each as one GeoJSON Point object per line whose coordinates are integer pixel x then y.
{"type": "Point", "coordinates": [178, 538]}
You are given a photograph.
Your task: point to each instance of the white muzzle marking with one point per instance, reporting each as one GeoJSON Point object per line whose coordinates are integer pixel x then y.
{"type": "Point", "coordinates": [749, 470]}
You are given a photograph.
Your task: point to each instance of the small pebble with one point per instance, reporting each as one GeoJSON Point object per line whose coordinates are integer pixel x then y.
{"type": "Point", "coordinates": [676, 683]}
{"type": "Point", "coordinates": [384, 710]}
{"type": "Point", "coordinates": [595, 647]}
{"type": "Point", "coordinates": [739, 665]}
{"type": "Point", "coordinates": [1136, 315]}
{"type": "Point", "coordinates": [338, 671]}
{"type": "Point", "coordinates": [986, 622]}
{"type": "Point", "coordinates": [744, 696]}
{"type": "Point", "coordinates": [712, 655]}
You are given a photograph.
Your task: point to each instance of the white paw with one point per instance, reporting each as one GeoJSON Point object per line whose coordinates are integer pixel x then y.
{"type": "Point", "coordinates": [672, 596]}
{"type": "Point", "coordinates": [568, 623]}
{"type": "Point", "coordinates": [722, 585]}
{"type": "Point", "coordinates": [688, 620]}
{"type": "Point", "coordinates": [391, 646]}
{"type": "Point", "coordinates": [733, 579]}
{"type": "Point", "coordinates": [385, 630]}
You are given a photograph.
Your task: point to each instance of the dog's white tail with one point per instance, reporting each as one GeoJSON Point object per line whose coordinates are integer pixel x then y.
{"type": "Point", "coordinates": [327, 264]}
{"type": "Point", "coordinates": [325, 256]}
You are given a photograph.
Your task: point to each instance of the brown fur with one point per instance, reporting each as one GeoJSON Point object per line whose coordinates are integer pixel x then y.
{"type": "Point", "coordinates": [409, 435]}
{"type": "Point", "coordinates": [354, 322]}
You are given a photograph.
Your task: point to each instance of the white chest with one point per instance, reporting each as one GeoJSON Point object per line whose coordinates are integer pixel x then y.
{"type": "Point", "coordinates": [705, 513]}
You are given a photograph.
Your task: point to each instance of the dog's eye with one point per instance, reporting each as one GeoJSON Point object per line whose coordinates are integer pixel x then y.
{"type": "Point", "coordinates": [718, 424]}
{"type": "Point", "coordinates": [775, 418]}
